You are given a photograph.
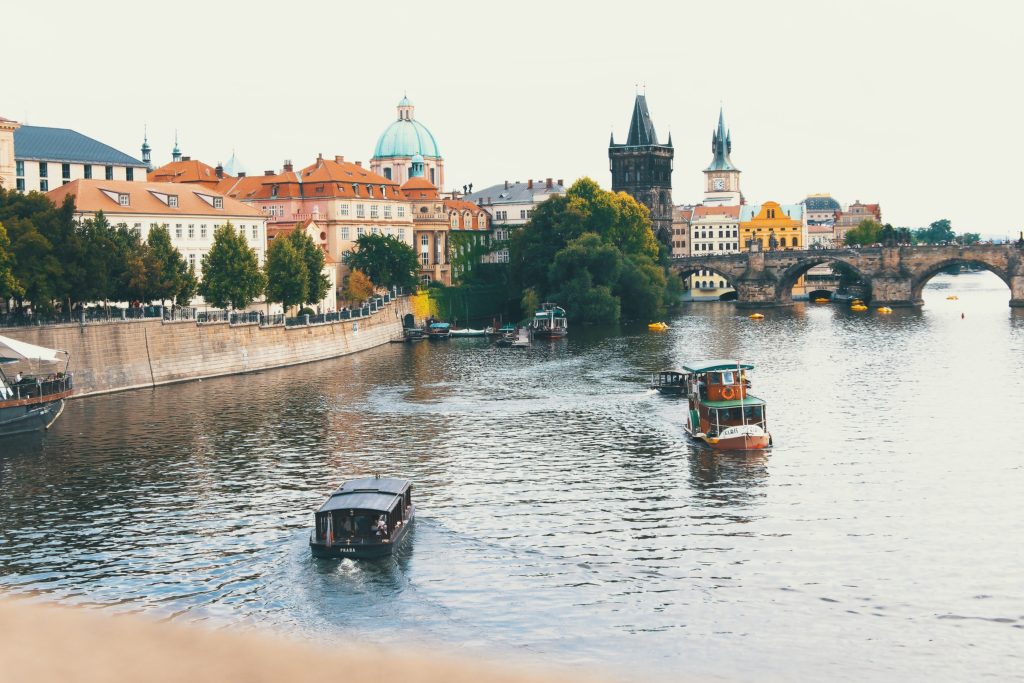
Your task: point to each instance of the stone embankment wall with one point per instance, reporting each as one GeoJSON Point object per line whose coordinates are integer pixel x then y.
{"type": "Point", "coordinates": [117, 356]}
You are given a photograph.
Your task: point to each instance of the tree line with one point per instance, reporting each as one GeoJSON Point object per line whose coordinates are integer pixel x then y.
{"type": "Point", "coordinates": [941, 231]}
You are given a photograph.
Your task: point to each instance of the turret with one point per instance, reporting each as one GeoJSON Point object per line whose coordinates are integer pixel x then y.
{"type": "Point", "coordinates": [147, 152]}
{"type": "Point", "coordinates": [176, 153]}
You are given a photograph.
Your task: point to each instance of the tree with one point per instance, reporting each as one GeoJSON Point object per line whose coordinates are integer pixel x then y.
{"type": "Point", "coordinates": [231, 271]}
{"type": "Point", "coordinates": [866, 233]}
{"type": "Point", "coordinates": [387, 261]}
{"type": "Point", "coordinates": [9, 285]}
{"type": "Point", "coordinates": [938, 232]}
{"type": "Point", "coordinates": [317, 283]}
{"type": "Point", "coordinates": [286, 274]}
{"type": "Point", "coordinates": [358, 286]}
{"type": "Point", "coordinates": [968, 238]}
{"type": "Point", "coordinates": [171, 271]}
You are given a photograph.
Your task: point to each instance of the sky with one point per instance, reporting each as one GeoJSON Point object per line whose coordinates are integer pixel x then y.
{"type": "Point", "coordinates": [915, 105]}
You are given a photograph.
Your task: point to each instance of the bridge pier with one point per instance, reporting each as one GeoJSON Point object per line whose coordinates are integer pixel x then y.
{"type": "Point", "coordinates": [1017, 291]}
{"type": "Point", "coordinates": [893, 291]}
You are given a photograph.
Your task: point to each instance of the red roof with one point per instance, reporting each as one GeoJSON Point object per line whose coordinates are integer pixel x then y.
{"type": "Point", "coordinates": [728, 211]}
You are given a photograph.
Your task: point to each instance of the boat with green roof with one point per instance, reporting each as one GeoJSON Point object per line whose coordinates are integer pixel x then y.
{"type": "Point", "coordinates": [720, 411]}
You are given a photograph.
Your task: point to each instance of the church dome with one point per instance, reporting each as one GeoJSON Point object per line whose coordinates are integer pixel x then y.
{"type": "Point", "coordinates": [821, 202]}
{"type": "Point", "coordinates": [406, 137]}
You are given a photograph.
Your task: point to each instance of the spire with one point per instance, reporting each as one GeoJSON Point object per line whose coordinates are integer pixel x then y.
{"type": "Point", "coordinates": [721, 146]}
{"type": "Point", "coordinates": [176, 153]}
{"type": "Point", "coordinates": [641, 128]}
{"type": "Point", "coordinates": [405, 109]}
{"type": "Point", "coordinates": [146, 150]}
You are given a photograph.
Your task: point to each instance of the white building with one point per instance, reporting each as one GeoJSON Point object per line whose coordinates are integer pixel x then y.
{"type": "Point", "coordinates": [510, 206]}
{"type": "Point", "coordinates": [190, 213]}
{"type": "Point", "coordinates": [713, 230]}
{"type": "Point", "coordinates": [46, 158]}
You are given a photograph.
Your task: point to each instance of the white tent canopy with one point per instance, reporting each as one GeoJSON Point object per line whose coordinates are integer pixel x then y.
{"type": "Point", "coordinates": [12, 350]}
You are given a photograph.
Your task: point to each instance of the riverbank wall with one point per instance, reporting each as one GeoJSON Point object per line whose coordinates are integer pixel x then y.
{"type": "Point", "coordinates": [134, 354]}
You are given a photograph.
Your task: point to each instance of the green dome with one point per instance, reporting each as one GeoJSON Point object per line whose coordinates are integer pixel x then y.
{"type": "Point", "coordinates": [405, 138]}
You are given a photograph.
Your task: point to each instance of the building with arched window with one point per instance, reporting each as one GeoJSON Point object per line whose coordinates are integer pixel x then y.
{"type": "Point", "coordinates": [403, 139]}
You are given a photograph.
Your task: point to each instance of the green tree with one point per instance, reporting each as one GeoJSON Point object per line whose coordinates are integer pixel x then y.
{"type": "Point", "coordinates": [937, 232]}
{"type": "Point", "coordinates": [317, 283]}
{"type": "Point", "coordinates": [970, 238]}
{"type": "Point", "coordinates": [9, 285]}
{"type": "Point", "coordinates": [387, 261]}
{"type": "Point", "coordinates": [286, 274]}
{"type": "Point", "coordinates": [188, 284]}
{"type": "Point", "coordinates": [170, 270]}
{"type": "Point", "coordinates": [867, 232]}
{"type": "Point", "coordinates": [231, 271]}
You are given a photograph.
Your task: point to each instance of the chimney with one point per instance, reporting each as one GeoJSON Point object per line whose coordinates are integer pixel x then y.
{"type": "Point", "coordinates": [529, 184]}
{"type": "Point", "coordinates": [339, 158]}
{"type": "Point", "coordinates": [359, 164]}
{"type": "Point", "coordinates": [186, 158]}
{"type": "Point", "coordinates": [241, 174]}
{"type": "Point", "coordinates": [320, 156]}
{"type": "Point", "coordinates": [287, 165]}
{"type": "Point", "coordinates": [506, 184]}
{"type": "Point", "coordinates": [269, 173]}
{"type": "Point", "coordinates": [219, 170]}
{"type": "Point", "coordinates": [561, 182]}
{"type": "Point", "coordinates": [549, 183]}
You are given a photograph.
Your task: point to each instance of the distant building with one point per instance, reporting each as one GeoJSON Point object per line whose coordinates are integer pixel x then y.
{"type": "Point", "coordinates": [713, 230]}
{"type": "Point", "coordinates": [189, 170]}
{"type": "Point", "coordinates": [642, 168]}
{"type": "Point", "coordinates": [510, 206]}
{"type": "Point", "coordinates": [46, 158]}
{"type": "Point", "coordinates": [400, 142]}
{"type": "Point", "coordinates": [430, 225]}
{"type": "Point", "coordinates": [681, 230]}
{"type": "Point", "coordinates": [852, 217]}
{"type": "Point", "coordinates": [190, 213]}
{"type": "Point", "coordinates": [469, 227]}
{"type": "Point", "coordinates": [763, 222]}
{"type": "Point", "coordinates": [721, 177]}
{"type": "Point", "coordinates": [820, 214]}
{"type": "Point", "coordinates": [7, 167]}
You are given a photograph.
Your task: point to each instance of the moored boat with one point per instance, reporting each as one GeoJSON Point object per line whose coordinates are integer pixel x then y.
{"type": "Point", "coordinates": [439, 331]}
{"type": "Point", "coordinates": [549, 322]}
{"type": "Point", "coordinates": [470, 332]}
{"type": "Point", "coordinates": [720, 412]}
{"type": "Point", "coordinates": [671, 382]}
{"type": "Point", "coordinates": [363, 518]}
{"type": "Point", "coordinates": [31, 402]}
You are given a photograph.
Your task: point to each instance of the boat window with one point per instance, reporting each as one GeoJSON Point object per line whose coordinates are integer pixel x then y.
{"type": "Point", "coordinates": [713, 377]}
{"type": "Point", "coordinates": [727, 377]}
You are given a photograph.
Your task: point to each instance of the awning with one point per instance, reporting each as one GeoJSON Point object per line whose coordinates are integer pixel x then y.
{"type": "Point", "coordinates": [377, 502]}
{"type": "Point", "coordinates": [748, 402]}
{"type": "Point", "coordinates": [12, 351]}
{"type": "Point", "coordinates": [716, 365]}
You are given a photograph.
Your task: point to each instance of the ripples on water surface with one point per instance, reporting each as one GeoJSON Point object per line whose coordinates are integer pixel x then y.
{"type": "Point", "coordinates": [563, 515]}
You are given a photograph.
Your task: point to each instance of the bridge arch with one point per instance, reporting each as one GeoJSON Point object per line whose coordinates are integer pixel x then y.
{"type": "Point", "coordinates": [705, 273]}
{"type": "Point", "coordinates": [788, 277]}
{"type": "Point", "coordinates": [922, 277]}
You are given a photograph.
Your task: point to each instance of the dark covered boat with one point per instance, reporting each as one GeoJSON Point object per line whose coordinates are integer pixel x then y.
{"type": "Point", "coordinates": [549, 322]}
{"type": "Point", "coordinates": [439, 331]}
{"type": "Point", "coordinates": [363, 518]}
{"type": "Point", "coordinates": [31, 402]}
{"type": "Point", "coordinates": [672, 382]}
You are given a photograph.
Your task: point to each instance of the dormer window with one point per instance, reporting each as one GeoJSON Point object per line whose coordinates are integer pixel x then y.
{"type": "Point", "coordinates": [355, 189]}
{"type": "Point", "coordinates": [218, 202]}
{"type": "Point", "coordinates": [172, 201]}
{"type": "Point", "coordinates": [122, 199]}
{"type": "Point", "coordinates": [369, 190]}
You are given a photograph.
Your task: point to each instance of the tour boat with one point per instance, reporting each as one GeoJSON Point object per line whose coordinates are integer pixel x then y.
{"type": "Point", "coordinates": [720, 412]}
{"type": "Point", "coordinates": [363, 518]}
{"type": "Point", "coordinates": [669, 382]}
{"type": "Point", "coordinates": [470, 332]}
{"type": "Point", "coordinates": [439, 331]}
{"type": "Point", "coordinates": [549, 322]}
{"type": "Point", "coordinates": [31, 402]}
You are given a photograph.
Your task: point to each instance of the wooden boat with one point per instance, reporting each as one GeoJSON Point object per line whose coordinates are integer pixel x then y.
{"type": "Point", "coordinates": [720, 412]}
{"type": "Point", "coordinates": [672, 382]}
{"type": "Point", "coordinates": [439, 331]}
{"type": "Point", "coordinates": [549, 322]}
{"type": "Point", "coordinates": [469, 332]}
{"type": "Point", "coordinates": [363, 518]}
{"type": "Point", "coordinates": [31, 402]}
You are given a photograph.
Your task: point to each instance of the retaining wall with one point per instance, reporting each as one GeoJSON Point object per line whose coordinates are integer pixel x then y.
{"type": "Point", "coordinates": [116, 356]}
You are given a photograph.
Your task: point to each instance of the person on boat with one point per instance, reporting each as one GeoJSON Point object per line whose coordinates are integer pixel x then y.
{"type": "Point", "coordinates": [382, 527]}
{"type": "Point", "coordinates": [17, 378]}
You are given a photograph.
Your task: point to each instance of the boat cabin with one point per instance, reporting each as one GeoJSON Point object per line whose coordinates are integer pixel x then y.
{"type": "Point", "coordinates": [719, 398]}
{"type": "Point", "coordinates": [550, 320]}
{"type": "Point", "coordinates": [354, 512]}
{"type": "Point", "coordinates": [669, 381]}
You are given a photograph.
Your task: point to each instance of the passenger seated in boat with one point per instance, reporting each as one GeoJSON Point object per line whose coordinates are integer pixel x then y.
{"type": "Point", "coordinates": [382, 527]}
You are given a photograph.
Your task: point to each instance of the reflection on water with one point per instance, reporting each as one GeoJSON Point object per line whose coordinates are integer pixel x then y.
{"type": "Point", "coordinates": [562, 513]}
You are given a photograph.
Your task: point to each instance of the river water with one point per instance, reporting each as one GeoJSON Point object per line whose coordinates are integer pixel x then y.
{"type": "Point", "coordinates": [563, 516]}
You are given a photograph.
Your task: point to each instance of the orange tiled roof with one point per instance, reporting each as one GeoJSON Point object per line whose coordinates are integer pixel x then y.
{"type": "Point", "coordinates": [460, 207]}
{"type": "Point", "coordinates": [91, 196]}
{"type": "Point", "coordinates": [191, 171]}
{"type": "Point", "coordinates": [419, 188]}
{"type": "Point", "coordinates": [728, 211]}
{"type": "Point", "coordinates": [325, 178]}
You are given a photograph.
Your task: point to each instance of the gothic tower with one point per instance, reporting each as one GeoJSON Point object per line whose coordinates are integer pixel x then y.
{"type": "Point", "coordinates": [721, 177]}
{"type": "Point", "coordinates": [643, 169]}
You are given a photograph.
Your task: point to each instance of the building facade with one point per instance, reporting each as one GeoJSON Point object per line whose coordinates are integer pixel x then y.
{"type": "Point", "coordinates": [852, 216]}
{"type": "Point", "coordinates": [713, 230]}
{"type": "Point", "coordinates": [46, 158]}
{"type": "Point", "coordinates": [7, 165]}
{"type": "Point", "coordinates": [400, 142]}
{"type": "Point", "coordinates": [189, 170]}
{"type": "Point", "coordinates": [774, 226]}
{"type": "Point", "coordinates": [190, 214]}
{"type": "Point", "coordinates": [681, 216]}
{"type": "Point", "coordinates": [721, 177]}
{"type": "Point", "coordinates": [509, 207]}
{"type": "Point", "coordinates": [642, 168]}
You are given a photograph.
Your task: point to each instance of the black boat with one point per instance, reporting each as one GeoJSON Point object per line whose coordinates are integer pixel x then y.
{"type": "Point", "coordinates": [669, 382]}
{"type": "Point", "coordinates": [363, 518]}
{"type": "Point", "coordinates": [30, 402]}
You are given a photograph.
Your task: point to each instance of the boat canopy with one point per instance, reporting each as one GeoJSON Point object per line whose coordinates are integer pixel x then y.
{"type": "Point", "coordinates": [716, 365]}
{"type": "Point", "coordinates": [440, 326]}
{"type": "Point", "coordinates": [375, 484]}
{"type": "Point", "coordinates": [12, 351]}
{"type": "Point", "coordinates": [747, 402]}
{"type": "Point", "coordinates": [369, 493]}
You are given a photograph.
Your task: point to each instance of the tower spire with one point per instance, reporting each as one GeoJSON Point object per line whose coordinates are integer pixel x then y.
{"type": "Point", "coordinates": [146, 150]}
{"type": "Point", "coordinates": [176, 153]}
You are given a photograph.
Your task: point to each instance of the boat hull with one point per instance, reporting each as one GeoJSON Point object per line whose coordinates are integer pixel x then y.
{"type": "Point", "coordinates": [361, 551]}
{"type": "Point", "coordinates": [19, 417]}
{"type": "Point", "coordinates": [740, 443]}
{"type": "Point", "coordinates": [669, 390]}
{"type": "Point", "coordinates": [549, 334]}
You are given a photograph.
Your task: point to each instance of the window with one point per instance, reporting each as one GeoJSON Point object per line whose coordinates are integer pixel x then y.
{"type": "Point", "coordinates": [401, 211]}
{"type": "Point", "coordinates": [355, 189]}
{"type": "Point", "coordinates": [375, 230]}
{"type": "Point", "coordinates": [20, 184]}
{"type": "Point", "coordinates": [425, 240]}
{"type": "Point", "coordinates": [177, 231]}
{"type": "Point", "coordinates": [129, 173]}
{"type": "Point", "coordinates": [122, 199]}
{"type": "Point", "coordinates": [401, 234]}
{"type": "Point", "coordinates": [501, 215]}
{"type": "Point", "coordinates": [109, 172]}
{"type": "Point", "coordinates": [344, 233]}
{"type": "Point", "coordinates": [387, 172]}
{"type": "Point", "coordinates": [192, 261]}
{"type": "Point", "coordinates": [369, 190]}
{"type": "Point", "coordinates": [172, 201]}
{"type": "Point", "coordinates": [522, 213]}
{"type": "Point", "coordinates": [374, 211]}
{"type": "Point", "coordinates": [432, 180]}
{"type": "Point", "coordinates": [343, 209]}
{"type": "Point", "coordinates": [191, 231]}
{"type": "Point", "coordinates": [65, 171]}
{"type": "Point", "coordinates": [387, 211]}
{"type": "Point", "coordinates": [44, 185]}
{"type": "Point", "coordinates": [202, 231]}
{"type": "Point", "coordinates": [360, 211]}
{"type": "Point", "coordinates": [360, 232]}
{"type": "Point", "coordinates": [425, 258]}
{"type": "Point", "coordinates": [43, 169]}
{"type": "Point", "coordinates": [137, 228]}
{"type": "Point", "coordinates": [218, 202]}
{"type": "Point", "coordinates": [19, 167]}
{"type": "Point", "coordinates": [255, 232]}
{"type": "Point", "coordinates": [455, 221]}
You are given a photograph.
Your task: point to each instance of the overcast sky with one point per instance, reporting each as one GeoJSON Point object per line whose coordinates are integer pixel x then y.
{"type": "Point", "coordinates": [916, 105]}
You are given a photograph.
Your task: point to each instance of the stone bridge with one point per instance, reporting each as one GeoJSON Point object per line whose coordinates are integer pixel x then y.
{"type": "Point", "coordinates": [896, 275]}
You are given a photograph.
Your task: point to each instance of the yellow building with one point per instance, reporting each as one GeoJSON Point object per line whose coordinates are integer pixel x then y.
{"type": "Point", "coordinates": [775, 227]}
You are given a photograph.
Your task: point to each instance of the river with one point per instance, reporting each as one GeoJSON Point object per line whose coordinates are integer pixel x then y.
{"type": "Point", "coordinates": [563, 516]}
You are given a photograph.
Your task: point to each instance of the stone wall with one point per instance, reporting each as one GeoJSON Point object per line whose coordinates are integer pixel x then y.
{"type": "Point", "coordinates": [117, 356]}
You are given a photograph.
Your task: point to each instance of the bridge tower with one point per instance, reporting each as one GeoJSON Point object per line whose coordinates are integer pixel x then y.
{"type": "Point", "coordinates": [642, 168]}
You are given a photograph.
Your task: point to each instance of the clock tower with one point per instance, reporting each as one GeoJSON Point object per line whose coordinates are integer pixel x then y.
{"type": "Point", "coordinates": [721, 178]}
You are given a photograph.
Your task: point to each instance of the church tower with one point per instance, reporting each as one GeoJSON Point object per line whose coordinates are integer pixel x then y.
{"type": "Point", "coordinates": [721, 178]}
{"type": "Point", "coordinates": [642, 168]}
{"type": "Point", "coordinates": [176, 152]}
{"type": "Point", "coordinates": [147, 152]}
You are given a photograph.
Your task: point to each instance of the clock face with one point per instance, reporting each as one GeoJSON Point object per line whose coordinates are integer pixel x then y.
{"type": "Point", "coordinates": [719, 184]}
